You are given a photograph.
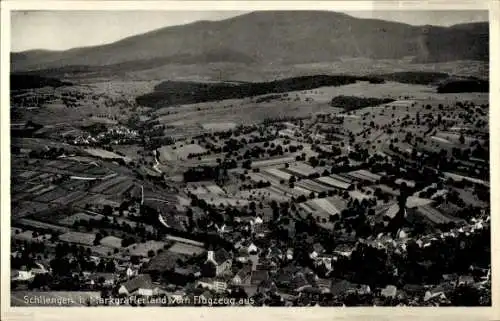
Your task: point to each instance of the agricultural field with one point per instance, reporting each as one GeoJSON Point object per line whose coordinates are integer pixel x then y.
{"type": "Point", "coordinates": [359, 195]}
{"type": "Point", "coordinates": [272, 162]}
{"type": "Point", "coordinates": [414, 201]}
{"type": "Point", "coordinates": [186, 249]}
{"type": "Point", "coordinates": [364, 175]}
{"type": "Point", "coordinates": [148, 161]}
{"type": "Point", "coordinates": [70, 198]}
{"type": "Point", "coordinates": [78, 238]}
{"type": "Point", "coordinates": [70, 220]}
{"type": "Point", "coordinates": [226, 201]}
{"type": "Point", "coordinates": [330, 181]}
{"type": "Point", "coordinates": [214, 189]}
{"type": "Point", "coordinates": [469, 197]}
{"type": "Point", "coordinates": [111, 242]}
{"type": "Point", "coordinates": [25, 208]}
{"type": "Point", "coordinates": [110, 184]}
{"type": "Point", "coordinates": [262, 193]}
{"type": "Point", "coordinates": [101, 153]}
{"type": "Point", "coordinates": [207, 188]}
{"type": "Point", "coordinates": [179, 152]}
{"type": "Point", "coordinates": [313, 186]}
{"type": "Point", "coordinates": [326, 206]}
{"type": "Point", "coordinates": [457, 177]}
{"type": "Point", "coordinates": [41, 225]}
{"type": "Point", "coordinates": [28, 235]}
{"type": "Point", "coordinates": [142, 249]}
{"type": "Point", "coordinates": [219, 126]}
{"type": "Point", "coordinates": [434, 215]}
{"type": "Point", "coordinates": [278, 173]}
{"type": "Point", "coordinates": [301, 169]}
{"type": "Point", "coordinates": [130, 151]}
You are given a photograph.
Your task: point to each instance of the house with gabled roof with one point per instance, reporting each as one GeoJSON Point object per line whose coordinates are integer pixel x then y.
{"type": "Point", "coordinates": [140, 285]}
{"type": "Point", "coordinates": [274, 252]}
{"type": "Point", "coordinates": [216, 284]}
{"type": "Point", "coordinates": [221, 260]}
{"type": "Point", "coordinates": [259, 276]}
{"type": "Point", "coordinates": [243, 276]}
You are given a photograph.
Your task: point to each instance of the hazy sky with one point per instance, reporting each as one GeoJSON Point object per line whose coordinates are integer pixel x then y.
{"type": "Point", "coordinates": [61, 30]}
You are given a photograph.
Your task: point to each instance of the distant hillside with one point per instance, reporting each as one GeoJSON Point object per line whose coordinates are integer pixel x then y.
{"type": "Point", "coordinates": [412, 77]}
{"type": "Point", "coordinates": [19, 81]}
{"type": "Point", "coordinates": [352, 102]}
{"type": "Point", "coordinates": [170, 93]}
{"type": "Point", "coordinates": [278, 37]}
{"type": "Point", "coordinates": [464, 86]}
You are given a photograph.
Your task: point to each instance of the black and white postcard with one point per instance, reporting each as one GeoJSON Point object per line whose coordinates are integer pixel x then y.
{"type": "Point", "coordinates": [225, 158]}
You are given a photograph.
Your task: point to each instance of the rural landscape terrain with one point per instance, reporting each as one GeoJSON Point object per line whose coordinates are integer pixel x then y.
{"type": "Point", "coordinates": [316, 160]}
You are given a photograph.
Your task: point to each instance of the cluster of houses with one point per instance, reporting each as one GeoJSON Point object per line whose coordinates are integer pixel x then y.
{"type": "Point", "coordinates": [116, 135]}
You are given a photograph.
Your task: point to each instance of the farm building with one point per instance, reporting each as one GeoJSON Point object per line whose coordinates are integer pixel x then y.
{"type": "Point", "coordinates": [140, 285]}
{"type": "Point", "coordinates": [408, 183]}
{"type": "Point", "coordinates": [392, 211]}
{"type": "Point", "coordinates": [220, 260]}
{"type": "Point", "coordinates": [164, 261]}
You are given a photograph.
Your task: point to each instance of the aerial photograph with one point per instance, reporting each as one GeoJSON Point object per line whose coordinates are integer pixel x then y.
{"type": "Point", "coordinates": [249, 158]}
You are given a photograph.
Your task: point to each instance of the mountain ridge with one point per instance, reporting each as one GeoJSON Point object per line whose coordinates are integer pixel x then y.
{"type": "Point", "coordinates": [276, 37]}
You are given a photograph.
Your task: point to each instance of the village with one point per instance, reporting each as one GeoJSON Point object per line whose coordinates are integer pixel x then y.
{"type": "Point", "coordinates": [378, 205]}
